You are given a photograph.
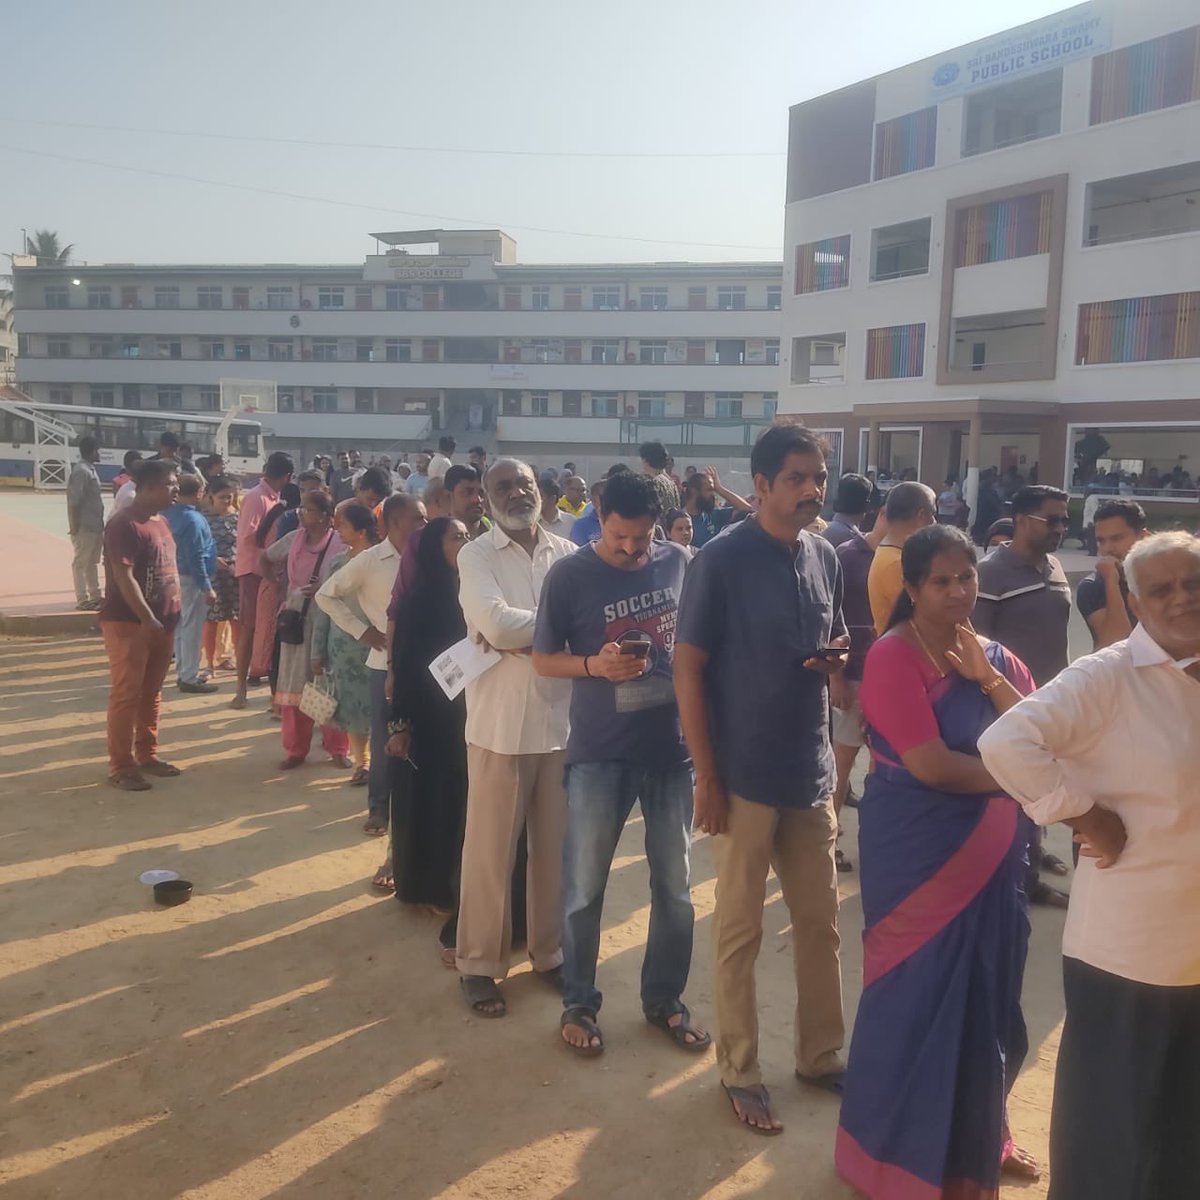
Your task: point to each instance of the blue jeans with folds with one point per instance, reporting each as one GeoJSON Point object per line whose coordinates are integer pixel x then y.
{"type": "Point", "coordinates": [600, 797]}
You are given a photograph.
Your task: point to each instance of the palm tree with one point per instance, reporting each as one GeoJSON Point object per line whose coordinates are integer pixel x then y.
{"type": "Point", "coordinates": [45, 248]}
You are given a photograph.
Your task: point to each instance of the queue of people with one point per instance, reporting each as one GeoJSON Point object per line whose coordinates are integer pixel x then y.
{"type": "Point", "coordinates": [722, 667]}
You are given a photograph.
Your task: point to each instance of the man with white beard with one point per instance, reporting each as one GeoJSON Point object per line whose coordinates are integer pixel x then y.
{"type": "Point", "coordinates": [516, 738]}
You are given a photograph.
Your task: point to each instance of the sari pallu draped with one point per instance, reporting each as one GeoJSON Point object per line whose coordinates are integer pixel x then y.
{"type": "Point", "coordinates": [939, 1037]}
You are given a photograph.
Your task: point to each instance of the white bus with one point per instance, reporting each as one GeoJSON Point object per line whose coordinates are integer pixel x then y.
{"type": "Point", "coordinates": [119, 430]}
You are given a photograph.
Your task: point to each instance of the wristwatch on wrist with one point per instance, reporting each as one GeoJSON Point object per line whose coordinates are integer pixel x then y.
{"type": "Point", "coordinates": [395, 727]}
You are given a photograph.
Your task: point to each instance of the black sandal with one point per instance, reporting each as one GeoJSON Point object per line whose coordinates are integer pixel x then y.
{"type": "Point", "coordinates": [660, 1018]}
{"type": "Point", "coordinates": [753, 1098]}
{"type": "Point", "coordinates": [480, 991]}
{"type": "Point", "coordinates": [585, 1019]}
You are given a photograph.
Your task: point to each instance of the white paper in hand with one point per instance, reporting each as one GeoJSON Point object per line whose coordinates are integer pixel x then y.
{"type": "Point", "coordinates": [460, 664]}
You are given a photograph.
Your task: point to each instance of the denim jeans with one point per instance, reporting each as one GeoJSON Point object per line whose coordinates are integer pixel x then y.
{"type": "Point", "coordinates": [379, 790]}
{"type": "Point", "coordinates": [600, 796]}
{"type": "Point", "coordinates": [190, 630]}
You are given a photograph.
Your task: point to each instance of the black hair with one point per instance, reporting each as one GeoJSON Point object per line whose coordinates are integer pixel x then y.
{"type": "Point", "coordinates": [289, 494]}
{"type": "Point", "coordinates": [654, 454]}
{"type": "Point", "coordinates": [311, 477]}
{"type": "Point", "coordinates": [168, 440]}
{"type": "Point", "coordinates": [185, 446]}
{"type": "Point", "coordinates": [130, 457]}
{"type": "Point", "coordinates": [361, 518]}
{"type": "Point", "coordinates": [322, 499]}
{"type": "Point", "coordinates": [190, 485]}
{"type": "Point", "coordinates": [289, 498]}
{"type": "Point", "coordinates": [446, 445]}
{"type": "Point", "coordinates": [1130, 511]}
{"type": "Point", "coordinates": [396, 502]}
{"type": "Point", "coordinates": [88, 444]}
{"type": "Point", "coordinates": [908, 500]}
{"type": "Point", "coordinates": [154, 470]}
{"type": "Point", "coordinates": [916, 561]}
{"type": "Point", "coordinates": [853, 494]}
{"type": "Point", "coordinates": [374, 480]}
{"type": "Point", "coordinates": [458, 473]}
{"type": "Point", "coordinates": [1030, 498]}
{"type": "Point", "coordinates": [220, 483]}
{"type": "Point", "coordinates": [775, 443]}
{"type": "Point", "coordinates": [615, 469]}
{"type": "Point", "coordinates": [549, 487]}
{"type": "Point", "coordinates": [278, 465]}
{"type": "Point", "coordinates": [478, 450]}
{"type": "Point", "coordinates": [630, 496]}
{"type": "Point", "coordinates": [672, 516]}
{"type": "Point", "coordinates": [1005, 527]}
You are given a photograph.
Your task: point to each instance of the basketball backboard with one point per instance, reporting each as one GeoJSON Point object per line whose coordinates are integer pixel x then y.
{"type": "Point", "coordinates": [249, 395]}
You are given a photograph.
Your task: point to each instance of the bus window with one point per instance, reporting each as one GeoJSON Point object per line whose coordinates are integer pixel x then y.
{"type": "Point", "coordinates": [243, 441]}
{"type": "Point", "coordinates": [115, 433]}
{"type": "Point", "coordinates": [15, 429]}
{"type": "Point", "coordinates": [201, 436]}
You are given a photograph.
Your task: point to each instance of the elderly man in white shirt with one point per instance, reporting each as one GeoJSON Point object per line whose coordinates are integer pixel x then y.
{"type": "Point", "coordinates": [369, 577]}
{"type": "Point", "coordinates": [516, 740]}
{"type": "Point", "coordinates": [1110, 746]}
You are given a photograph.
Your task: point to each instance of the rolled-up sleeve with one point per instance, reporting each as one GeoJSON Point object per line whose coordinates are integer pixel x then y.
{"type": "Point", "coordinates": [1029, 748]}
{"type": "Point", "coordinates": [329, 597]}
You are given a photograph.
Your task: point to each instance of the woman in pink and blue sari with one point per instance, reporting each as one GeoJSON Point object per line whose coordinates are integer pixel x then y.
{"type": "Point", "coordinates": [939, 1036]}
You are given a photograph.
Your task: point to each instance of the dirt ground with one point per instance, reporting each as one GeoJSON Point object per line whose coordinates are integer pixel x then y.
{"type": "Point", "coordinates": [289, 1033]}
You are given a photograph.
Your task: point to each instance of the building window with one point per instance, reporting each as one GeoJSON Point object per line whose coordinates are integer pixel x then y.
{"type": "Point", "coordinates": [362, 299]}
{"type": "Point", "coordinates": [364, 350]}
{"type": "Point", "coordinates": [572, 404]}
{"type": "Point", "coordinates": [540, 297]}
{"type": "Point", "coordinates": [606, 351]}
{"type": "Point", "coordinates": [653, 298]}
{"type": "Point", "coordinates": [131, 395]}
{"type": "Point", "coordinates": [770, 405]}
{"type": "Point", "coordinates": [896, 352]}
{"type": "Point", "coordinates": [241, 297]}
{"type": "Point", "coordinates": [775, 297]}
{"type": "Point", "coordinates": [279, 297]}
{"type": "Point", "coordinates": [823, 266]}
{"type": "Point", "coordinates": [573, 298]}
{"type": "Point", "coordinates": [604, 404]}
{"type": "Point", "coordinates": [210, 297]}
{"type": "Point", "coordinates": [325, 400]}
{"type": "Point", "coordinates": [512, 298]}
{"type": "Point", "coordinates": [731, 352]}
{"type": "Point", "coordinates": [129, 298]}
{"type": "Point", "coordinates": [697, 298]}
{"type": "Point", "coordinates": [1160, 73]}
{"type": "Point", "coordinates": [100, 348]}
{"type": "Point", "coordinates": [731, 298]}
{"type": "Point", "coordinates": [241, 350]}
{"type": "Point", "coordinates": [652, 352]}
{"type": "Point", "coordinates": [905, 143]}
{"type": "Point", "coordinates": [324, 349]}
{"type": "Point", "coordinates": [99, 297]}
{"type": "Point", "coordinates": [396, 297]}
{"type": "Point", "coordinates": [1141, 329]}
{"type": "Point", "coordinates": [652, 404]}
{"type": "Point", "coordinates": [58, 348]}
{"type": "Point", "coordinates": [280, 350]}
{"type": "Point", "coordinates": [1005, 339]}
{"type": "Point", "coordinates": [606, 298]}
{"type": "Point", "coordinates": [772, 353]}
{"type": "Point", "coordinates": [133, 349]}
{"type": "Point", "coordinates": [1149, 204]}
{"type": "Point", "coordinates": [169, 349]}
{"type": "Point", "coordinates": [819, 358]}
{"type": "Point", "coordinates": [1013, 113]}
{"type": "Point", "coordinates": [510, 404]}
{"type": "Point", "coordinates": [212, 349]}
{"type": "Point", "coordinates": [539, 404]}
{"type": "Point", "coordinates": [102, 398]}
{"type": "Point", "coordinates": [57, 297]}
{"type": "Point", "coordinates": [1003, 229]}
{"type": "Point", "coordinates": [170, 398]}
{"type": "Point", "coordinates": [364, 400]}
{"type": "Point", "coordinates": [900, 250]}
{"type": "Point", "coordinates": [728, 404]}
{"type": "Point", "coordinates": [210, 399]}
{"type": "Point", "coordinates": [330, 297]}
{"type": "Point", "coordinates": [166, 297]}
{"type": "Point", "coordinates": [287, 400]}
{"type": "Point", "coordinates": [430, 350]}
{"type": "Point", "coordinates": [61, 396]}
{"type": "Point", "coordinates": [398, 350]}
{"type": "Point", "coordinates": [693, 404]}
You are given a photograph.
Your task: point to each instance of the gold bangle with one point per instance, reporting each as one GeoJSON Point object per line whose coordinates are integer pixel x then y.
{"type": "Point", "coordinates": [988, 688]}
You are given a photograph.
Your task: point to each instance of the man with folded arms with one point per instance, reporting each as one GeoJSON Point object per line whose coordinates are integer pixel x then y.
{"type": "Point", "coordinates": [1109, 747]}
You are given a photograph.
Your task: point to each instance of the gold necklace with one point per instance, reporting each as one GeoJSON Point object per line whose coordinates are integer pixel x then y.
{"type": "Point", "coordinates": [924, 646]}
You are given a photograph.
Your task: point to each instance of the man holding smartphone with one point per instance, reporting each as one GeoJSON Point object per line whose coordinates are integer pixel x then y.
{"type": "Point", "coordinates": [606, 621]}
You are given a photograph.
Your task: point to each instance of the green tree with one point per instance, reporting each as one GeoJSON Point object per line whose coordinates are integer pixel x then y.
{"type": "Point", "coordinates": [45, 248]}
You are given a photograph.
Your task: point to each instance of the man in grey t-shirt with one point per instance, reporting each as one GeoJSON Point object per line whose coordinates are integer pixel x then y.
{"type": "Point", "coordinates": [606, 620]}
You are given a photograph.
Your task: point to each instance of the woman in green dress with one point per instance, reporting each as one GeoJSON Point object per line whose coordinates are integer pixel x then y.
{"type": "Point", "coordinates": [344, 658]}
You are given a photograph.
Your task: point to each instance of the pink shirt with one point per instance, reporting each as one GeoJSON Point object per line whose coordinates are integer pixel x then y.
{"type": "Point", "coordinates": [256, 503]}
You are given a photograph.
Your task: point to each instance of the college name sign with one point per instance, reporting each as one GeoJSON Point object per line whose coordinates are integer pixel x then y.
{"type": "Point", "coordinates": [1078, 33]}
{"type": "Point", "coordinates": [428, 267]}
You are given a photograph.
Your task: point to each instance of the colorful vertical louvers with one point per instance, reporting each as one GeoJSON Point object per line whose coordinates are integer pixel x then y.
{"type": "Point", "coordinates": [823, 266]}
{"type": "Point", "coordinates": [896, 352]}
{"type": "Point", "coordinates": [1140, 329]}
{"type": "Point", "coordinates": [1004, 229]}
{"type": "Point", "coordinates": [1160, 73]}
{"type": "Point", "coordinates": [905, 143]}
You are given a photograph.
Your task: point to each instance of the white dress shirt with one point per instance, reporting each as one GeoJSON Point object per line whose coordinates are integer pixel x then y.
{"type": "Point", "coordinates": [439, 464]}
{"type": "Point", "coordinates": [561, 525]}
{"type": "Point", "coordinates": [1118, 728]}
{"type": "Point", "coordinates": [510, 710]}
{"type": "Point", "coordinates": [124, 496]}
{"type": "Point", "coordinates": [369, 577]}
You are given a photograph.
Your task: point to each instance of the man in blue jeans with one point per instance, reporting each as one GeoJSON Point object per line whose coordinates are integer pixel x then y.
{"type": "Point", "coordinates": [196, 561]}
{"type": "Point", "coordinates": [606, 621]}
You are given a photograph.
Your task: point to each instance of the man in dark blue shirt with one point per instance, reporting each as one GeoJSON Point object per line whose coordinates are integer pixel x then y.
{"type": "Point", "coordinates": [760, 614]}
{"type": "Point", "coordinates": [606, 621]}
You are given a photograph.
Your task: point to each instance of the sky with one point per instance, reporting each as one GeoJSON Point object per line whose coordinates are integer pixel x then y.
{"type": "Point", "coordinates": [657, 129]}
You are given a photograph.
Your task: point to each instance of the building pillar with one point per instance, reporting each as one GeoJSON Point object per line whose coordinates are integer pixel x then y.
{"type": "Point", "coordinates": [873, 447]}
{"type": "Point", "coordinates": [974, 450]}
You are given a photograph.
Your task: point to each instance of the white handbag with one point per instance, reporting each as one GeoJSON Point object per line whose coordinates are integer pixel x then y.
{"type": "Point", "coordinates": [318, 701]}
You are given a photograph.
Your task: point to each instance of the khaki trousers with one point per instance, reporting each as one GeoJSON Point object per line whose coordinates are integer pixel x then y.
{"type": "Point", "coordinates": [506, 792]}
{"type": "Point", "coordinates": [799, 845]}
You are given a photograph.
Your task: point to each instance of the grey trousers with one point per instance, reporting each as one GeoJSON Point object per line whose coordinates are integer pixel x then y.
{"type": "Point", "coordinates": [85, 565]}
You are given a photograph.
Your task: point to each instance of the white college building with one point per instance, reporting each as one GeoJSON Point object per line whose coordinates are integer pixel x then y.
{"type": "Point", "coordinates": [437, 331]}
{"type": "Point", "coordinates": [999, 248]}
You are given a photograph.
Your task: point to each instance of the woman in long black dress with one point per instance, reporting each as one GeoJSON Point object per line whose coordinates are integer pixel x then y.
{"type": "Point", "coordinates": [430, 778]}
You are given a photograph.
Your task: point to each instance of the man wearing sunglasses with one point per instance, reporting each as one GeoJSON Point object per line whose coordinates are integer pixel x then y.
{"type": "Point", "coordinates": [1025, 604]}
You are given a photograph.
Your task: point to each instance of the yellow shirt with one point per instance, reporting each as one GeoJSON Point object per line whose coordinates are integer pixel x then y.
{"type": "Point", "coordinates": [884, 585]}
{"type": "Point", "coordinates": [568, 507]}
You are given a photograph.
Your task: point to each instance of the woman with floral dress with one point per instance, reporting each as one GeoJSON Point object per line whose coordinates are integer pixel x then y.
{"type": "Point", "coordinates": [222, 520]}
